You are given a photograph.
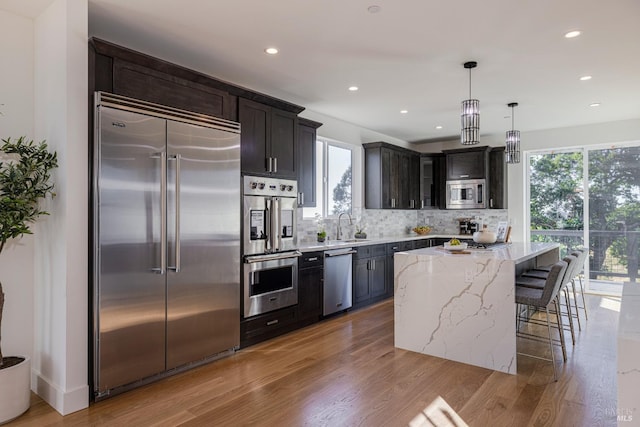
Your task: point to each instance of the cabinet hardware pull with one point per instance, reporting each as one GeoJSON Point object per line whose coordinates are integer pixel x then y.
{"type": "Point", "coordinates": [300, 199]}
{"type": "Point", "coordinates": [422, 204]}
{"type": "Point", "coordinates": [490, 203]}
{"type": "Point", "coordinates": [269, 164]}
{"type": "Point", "coordinates": [464, 176]}
{"type": "Point", "coordinates": [272, 322]}
{"type": "Point", "coordinates": [275, 165]}
{"type": "Point", "coordinates": [315, 258]}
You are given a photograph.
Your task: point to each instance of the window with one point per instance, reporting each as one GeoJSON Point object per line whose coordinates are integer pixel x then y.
{"type": "Point", "coordinates": [333, 179]}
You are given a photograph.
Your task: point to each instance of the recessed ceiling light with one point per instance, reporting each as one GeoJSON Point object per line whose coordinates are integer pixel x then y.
{"type": "Point", "coordinates": [271, 50]}
{"type": "Point", "coordinates": [374, 9]}
{"type": "Point", "coordinates": [594, 104]}
{"type": "Point", "coordinates": [583, 78]}
{"type": "Point", "coordinates": [353, 88]}
{"type": "Point", "coordinates": [572, 34]}
{"type": "Point", "coordinates": [404, 111]}
{"type": "Point", "coordinates": [438, 127]}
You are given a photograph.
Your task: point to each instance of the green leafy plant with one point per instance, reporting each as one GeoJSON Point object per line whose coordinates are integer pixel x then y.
{"type": "Point", "coordinates": [322, 234]}
{"type": "Point", "coordinates": [25, 179]}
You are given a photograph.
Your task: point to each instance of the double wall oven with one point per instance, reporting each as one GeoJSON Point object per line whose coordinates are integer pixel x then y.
{"type": "Point", "coordinates": [269, 244]}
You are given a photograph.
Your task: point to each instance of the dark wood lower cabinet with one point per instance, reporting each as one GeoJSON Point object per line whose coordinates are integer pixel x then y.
{"type": "Point", "coordinates": [369, 277]}
{"type": "Point", "coordinates": [310, 281]}
{"type": "Point", "coordinates": [372, 282]}
{"type": "Point", "coordinates": [266, 326]}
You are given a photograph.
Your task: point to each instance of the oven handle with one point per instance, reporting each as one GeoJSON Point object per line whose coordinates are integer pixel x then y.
{"type": "Point", "coordinates": [250, 259]}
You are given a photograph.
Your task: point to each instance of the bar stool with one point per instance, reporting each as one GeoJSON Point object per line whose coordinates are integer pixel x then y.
{"type": "Point", "coordinates": [582, 254]}
{"type": "Point", "coordinates": [527, 279]}
{"type": "Point", "coordinates": [541, 299]}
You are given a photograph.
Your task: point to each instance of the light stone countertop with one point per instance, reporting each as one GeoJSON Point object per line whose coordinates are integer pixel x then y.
{"type": "Point", "coordinates": [335, 244]}
{"type": "Point", "coordinates": [517, 252]}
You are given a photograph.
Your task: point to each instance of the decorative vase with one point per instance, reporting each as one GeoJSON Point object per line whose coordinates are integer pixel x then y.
{"type": "Point", "coordinates": [484, 236]}
{"type": "Point", "coordinates": [321, 239]}
{"type": "Point", "coordinates": [360, 235]}
{"type": "Point", "coordinates": [15, 390]}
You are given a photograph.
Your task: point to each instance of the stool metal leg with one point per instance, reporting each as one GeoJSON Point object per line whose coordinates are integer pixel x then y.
{"type": "Point", "coordinates": [560, 328]}
{"type": "Point", "coordinates": [565, 291]}
{"type": "Point", "coordinates": [575, 302]}
{"type": "Point", "coordinates": [553, 358]}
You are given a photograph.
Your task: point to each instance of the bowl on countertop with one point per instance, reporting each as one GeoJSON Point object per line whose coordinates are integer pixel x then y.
{"type": "Point", "coordinates": [448, 246]}
{"type": "Point", "coordinates": [423, 230]}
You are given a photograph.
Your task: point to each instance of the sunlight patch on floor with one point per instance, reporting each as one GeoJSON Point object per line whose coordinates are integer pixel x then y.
{"type": "Point", "coordinates": [438, 414]}
{"type": "Point", "coordinates": [610, 304]}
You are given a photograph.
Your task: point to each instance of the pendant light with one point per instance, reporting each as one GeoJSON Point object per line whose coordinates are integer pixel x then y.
{"type": "Point", "coordinates": [512, 149]}
{"type": "Point", "coordinates": [470, 116]}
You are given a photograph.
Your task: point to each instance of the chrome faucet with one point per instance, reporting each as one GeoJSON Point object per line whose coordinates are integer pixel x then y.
{"type": "Point", "coordinates": [339, 232]}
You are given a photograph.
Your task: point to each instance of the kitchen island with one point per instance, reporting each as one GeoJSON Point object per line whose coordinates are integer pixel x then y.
{"type": "Point", "coordinates": [461, 306]}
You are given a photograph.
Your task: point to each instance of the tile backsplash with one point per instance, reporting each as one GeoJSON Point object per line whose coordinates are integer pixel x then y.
{"type": "Point", "coordinates": [387, 222]}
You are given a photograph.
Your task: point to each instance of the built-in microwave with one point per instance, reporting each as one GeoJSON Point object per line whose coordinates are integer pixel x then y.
{"type": "Point", "coordinates": [466, 194]}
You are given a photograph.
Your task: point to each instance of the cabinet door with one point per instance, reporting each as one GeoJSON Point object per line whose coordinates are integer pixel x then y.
{"type": "Point", "coordinates": [151, 85]}
{"type": "Point", "coordinates": [361, 290]}
{"type": "Point", "coordinates": [466, 165]}
{"type": "Point", "coordinates": [404, 182]}
{"type": "Point", "coordinates": [307, 166]}
{"type": "Point", "coordinates": [497, 179]}
{"type": "Point", "coordinates": [283, 143]}
{"type": "Point", "coordinates": [414, 182]}
{"type": "Point", "coordinates": [386, 177]}
{"type": "Point", "coordinates": [377, 276]}
{"type": "Point", "coordinates": [255, 120]}
{"type": "Point", "coordinates": [310, 293]}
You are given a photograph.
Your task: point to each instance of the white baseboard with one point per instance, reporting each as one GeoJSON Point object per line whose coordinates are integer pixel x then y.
{"type": "Point", "coordinates": [65, 402]}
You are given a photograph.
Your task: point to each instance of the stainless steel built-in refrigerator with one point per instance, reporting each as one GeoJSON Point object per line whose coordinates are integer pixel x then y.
{"type": "Point", "coordinates": [167, 241]}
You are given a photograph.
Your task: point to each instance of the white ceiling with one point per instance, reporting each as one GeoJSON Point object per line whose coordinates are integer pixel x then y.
{"type": "Point", "coordinates": [407, 56]}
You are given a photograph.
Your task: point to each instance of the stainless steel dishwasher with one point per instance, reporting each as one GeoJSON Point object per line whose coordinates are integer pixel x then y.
{"type": "Point", "coordinates": [338, 278]}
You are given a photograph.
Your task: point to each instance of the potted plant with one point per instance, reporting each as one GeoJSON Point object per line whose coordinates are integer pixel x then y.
{"type": "Point", "coordinates": [322, 235]}
{"type": "Point", "coordinates": [25, 172]}
{"type": "Point", "coordinates": [360, 233]}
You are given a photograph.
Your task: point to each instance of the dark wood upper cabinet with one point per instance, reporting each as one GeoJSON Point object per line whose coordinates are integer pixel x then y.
{"type": "Point", "coordinates": [497, 179]}
{"type": "Point", "coordinates": [392, 177]}
{"type": "Point", "coordinates": [432, 181]}
{"type": "Point", "coordinates": [307, 132]}
{"type": "Point", "coordinates": [268, 140]}
{"type": "Point", "coordinates": [467, 163]}
{"type": "Point", "coordinates": [123, 71]}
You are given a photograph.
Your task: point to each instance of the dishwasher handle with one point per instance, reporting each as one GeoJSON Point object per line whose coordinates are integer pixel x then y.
{"type": "Point", "coordinates": [329, 255]}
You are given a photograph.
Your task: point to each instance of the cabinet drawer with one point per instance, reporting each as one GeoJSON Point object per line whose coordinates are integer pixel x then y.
{"type": "Point", "coordinates": [400, 246]}
{"type": "Point", "coordinates": [264, 323]}
{"type": "Point", "coordinates": [369, 251]}
{"type": "Point", "coordinates": [311, 259]}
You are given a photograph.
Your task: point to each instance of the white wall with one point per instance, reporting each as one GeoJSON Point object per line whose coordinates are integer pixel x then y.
{"type": "Point", "coordinates": [16, 261]}
{"type": "Point", "coordinates": [61, 325]}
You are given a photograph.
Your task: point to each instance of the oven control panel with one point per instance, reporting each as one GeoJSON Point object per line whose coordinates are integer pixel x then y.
{"type": "Point", "coordinates": [261, 186]}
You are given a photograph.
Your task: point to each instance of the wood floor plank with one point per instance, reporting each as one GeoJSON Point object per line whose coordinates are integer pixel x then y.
{"type": "Point", "coordinates": [345, 371]}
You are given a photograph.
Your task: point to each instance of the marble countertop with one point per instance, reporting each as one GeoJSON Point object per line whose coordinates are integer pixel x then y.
{"type": "Point", "coordinates": [335, 244]}
{"type": "Point", "coordinates": [518, 252]}
{"type": "Point", "coordinates": [629, 320]}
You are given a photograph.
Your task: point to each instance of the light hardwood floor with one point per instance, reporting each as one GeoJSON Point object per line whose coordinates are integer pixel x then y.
{"type": "Point", "coordinates": [346, 372]}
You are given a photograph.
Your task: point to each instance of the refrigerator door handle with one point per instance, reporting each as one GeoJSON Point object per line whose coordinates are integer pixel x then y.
{"type": "Point", "coordinates": [163, 212]}
{"type": "Point", "coordinates": [176, 268]}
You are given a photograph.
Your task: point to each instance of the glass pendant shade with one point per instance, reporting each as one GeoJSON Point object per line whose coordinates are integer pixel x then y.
{"type": "Point", "coordinates": [470, 115]}
{"type": "Point", "coordinates": [512, 148]}
{"type": "Point", "coordinates": [470, 118]}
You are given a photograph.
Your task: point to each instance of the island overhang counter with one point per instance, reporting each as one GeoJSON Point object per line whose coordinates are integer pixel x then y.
{"type": "Point", "coordinates": [461, 306]}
